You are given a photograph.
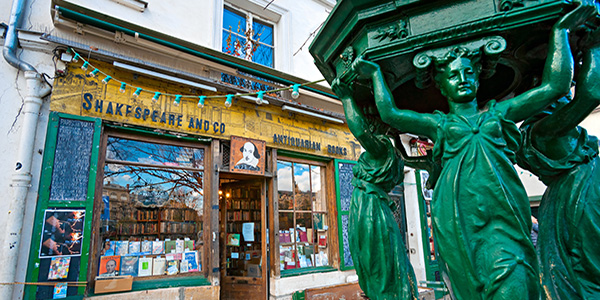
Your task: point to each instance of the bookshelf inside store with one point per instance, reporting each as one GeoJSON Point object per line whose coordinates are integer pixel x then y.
{"type": "Point", "coordinates": [243, 247]}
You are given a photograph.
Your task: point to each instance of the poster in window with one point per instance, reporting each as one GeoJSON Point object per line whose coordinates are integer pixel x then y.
{"type": "Point", "coordinates": [62, 232]}
{"type": "Point", "coordinates": [247, 156]}
{"type": "Point", "coordinates": [427, 193]}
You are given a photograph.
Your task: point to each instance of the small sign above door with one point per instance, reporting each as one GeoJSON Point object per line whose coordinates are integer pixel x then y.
{"type": "Point", "coordinates": [247, 156]}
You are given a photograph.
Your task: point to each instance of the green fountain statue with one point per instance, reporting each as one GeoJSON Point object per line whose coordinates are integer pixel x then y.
{"type": "Point", "coordinates": [566, 159]}
{"type": "Point", "coordinates": [481, 214]}
{"type": "Point", "coordinates": [376, 243]}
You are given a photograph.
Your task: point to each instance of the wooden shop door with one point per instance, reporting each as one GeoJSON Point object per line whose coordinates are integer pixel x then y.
{"type": "Point", "coordinates": [243, 239]}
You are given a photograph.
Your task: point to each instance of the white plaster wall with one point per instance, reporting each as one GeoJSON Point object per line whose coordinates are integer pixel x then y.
{"type": "Point", "coordinates": [283, 288]}
{"type": "Point", "coordinates": [12, 93]}
{"type": "Point", "coordinates": [533, 186]}
{"type": "Point", "coordinates": [592, 124]}
{"type": "Point", "coordinates": [195, 21]}
{"type": "Point", "coordinates": [413, 224]}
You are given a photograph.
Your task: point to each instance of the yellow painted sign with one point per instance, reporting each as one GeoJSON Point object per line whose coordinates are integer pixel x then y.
{"type": "Point", "coordinates": [79, 93]}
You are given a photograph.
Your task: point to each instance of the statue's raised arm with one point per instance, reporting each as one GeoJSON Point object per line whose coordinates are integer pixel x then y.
{"type": "Point", "coordinates": [401, 119]}
{"type": "Point", "coordinates": [558, 70]}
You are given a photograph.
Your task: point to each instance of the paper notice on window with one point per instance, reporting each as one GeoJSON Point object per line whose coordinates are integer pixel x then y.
{"type": "Point", "coordinates": [248, 232]}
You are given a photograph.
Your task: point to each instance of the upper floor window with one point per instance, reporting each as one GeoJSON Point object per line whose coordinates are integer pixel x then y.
{"type": "Point", "coordinates": [247, 36]}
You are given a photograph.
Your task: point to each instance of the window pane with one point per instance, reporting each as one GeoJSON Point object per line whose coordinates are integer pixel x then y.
{"type": "Point", "coordinates": [234, 21]}
{"type": "Point", "coordinates": [263, 32]}
{"type": "Point", "coordinates": [302, 187]}
{"type": "Point", "coordinates": [263, 55]}
{"type": "Point", "coordinates": [233, 44]}
{"type": "Point", "coordinates": [151, 211]}
{"type": "Point", "coordinates": [318, 193]}
{"type": "Point", "coordinates": [286, 221]}
{"type": "Point", "coordinates": [284, 185]}
{"type": "Point", "coordinates": [155, 154]}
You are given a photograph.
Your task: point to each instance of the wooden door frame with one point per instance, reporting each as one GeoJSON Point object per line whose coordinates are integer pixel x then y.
{"type": "Point", "coordinates": [261, 282]}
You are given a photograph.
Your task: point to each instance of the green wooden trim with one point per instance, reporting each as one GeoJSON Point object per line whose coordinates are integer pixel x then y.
{"type": "Point", "coordinates": [300, 155]}
{"type": "Point", "coordinates": [299, 295]}
{"type": "Point", "coordinates": [343, 266]}
{"type": "Point", "coordinates": [44, 202]}
{"type": "Point", "coordinates": [430, 266]}
{"type": "Point", "coordinates": [535, 198]}
{"type": "Point", "coordinates": [43, 193]}
{"type": "Point", "coordinates": [303, 271]}
{"type": "Point", "coordinates": [147, 132]}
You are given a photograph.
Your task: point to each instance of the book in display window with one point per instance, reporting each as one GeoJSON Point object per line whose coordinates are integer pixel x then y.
{"type": "Point", "coordinates": [152, 221]}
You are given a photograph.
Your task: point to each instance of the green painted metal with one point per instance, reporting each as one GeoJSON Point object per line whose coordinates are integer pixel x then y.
{"type": "Point", "coordinates": [44, 203]}
{"type": "Point", "coordinates": [431, 266]}
{"type": "Point", "coordinates": [300, 155]}
{"type": "Point", "coordinates": [184, 46]}
{"type": "Point", "coordinates": [341, 212]}
{"type": "Point", "coordinates": [159, 133]}
{"type": "Point", "coordinates": [299, 295]}
{"type": "Point", "coordinates": [565, 158]}
{"type": "Point", "coordinates": [376, 243]}
{"type": "Point", "coordinates": [304, 271]}
{"type": "Point", "coordinates": [481, 216]}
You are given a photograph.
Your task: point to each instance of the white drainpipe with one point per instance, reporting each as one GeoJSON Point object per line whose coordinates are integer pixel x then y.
{"type": "Point", "coordinates": [21, 179]}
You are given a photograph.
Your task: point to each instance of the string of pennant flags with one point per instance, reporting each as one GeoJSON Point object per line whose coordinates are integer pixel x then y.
{"type": "Point", "coordinates": [95, 72]}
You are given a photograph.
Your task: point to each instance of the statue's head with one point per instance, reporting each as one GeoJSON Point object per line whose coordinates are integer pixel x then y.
{"type": "Point", "coordinates": [457, 69]}
{"type": "Point", "coordinates": [457, 74]}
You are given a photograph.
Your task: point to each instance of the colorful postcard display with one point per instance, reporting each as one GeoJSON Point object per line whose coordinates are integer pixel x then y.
{"type": "Point", "coordinates": [188, 245]}
{"type": "Point", "coordinates": [172, 267]}
{"type": "Point", "coordinates": [145, 266]}
{"type": "Point", "coordinates": [122, 247]}
{"type": "Point", "coordinates": [146, 247]}
{"type": "Point", "coordinates": [129, 265]}
{"type": "Point", "coordinates": [158, 247]}
{"type": "Point", "coordinates": [108, 248]}
{"type": "Point", "coordinates": [190, 259]}
{"type": "Point", "coordinates": [59, 268]}
{"type": "Point", "coordinates": [60, 290]}
{"type": "Point", "coordinates": [62, 232]}
{"type": "Point", "coordinates": [159, 266]}
{"type": "Point", "coordinates": [134, 247]}
{"type": "Point", "coordinates": [233, 239]}
{"type": "Point", "coordinates": [109, 266]}
{"type": "Point", "coordinates": [170, 246]}
{"type": "Point", "coordinates": [179, 246]}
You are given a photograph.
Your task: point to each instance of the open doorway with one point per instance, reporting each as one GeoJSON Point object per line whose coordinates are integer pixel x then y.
{"type": "Point", "coordinates": [243, 245]}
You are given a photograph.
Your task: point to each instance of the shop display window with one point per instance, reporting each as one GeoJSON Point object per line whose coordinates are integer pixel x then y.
{"type": "Point", "coordinates": [303, 226]}
{"type": "Point", "coordinates": [152, 219]}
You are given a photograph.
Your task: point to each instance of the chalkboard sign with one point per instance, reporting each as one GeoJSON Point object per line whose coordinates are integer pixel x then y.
{"type": "Point", "coordinates": [346, 243]}
{"type": "Point", "coordinates": [345, 179]}
{"type": "Point", "coordinates": [72, 157]}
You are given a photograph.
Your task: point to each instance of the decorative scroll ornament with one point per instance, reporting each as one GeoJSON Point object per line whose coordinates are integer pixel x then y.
{"type": "Point", "coordinates": [491, 47]}
{"type": "Point", "coordinates": [347, 57]}
{"type": "Point", "coordinates": [396, 31]}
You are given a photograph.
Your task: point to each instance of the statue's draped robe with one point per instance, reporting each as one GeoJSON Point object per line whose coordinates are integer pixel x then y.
{"type": "Point", "coordinates": [376, 243]}
{"type": "Point", "coordinates": [481, 214]}
{"type": "Point", "coordinates": [569, 216]}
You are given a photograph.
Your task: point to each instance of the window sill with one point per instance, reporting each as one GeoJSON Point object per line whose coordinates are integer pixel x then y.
{"type": "Point", "coordinates": [304, 271]}
{"type": "Point", "coordinates": [162, 283]}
